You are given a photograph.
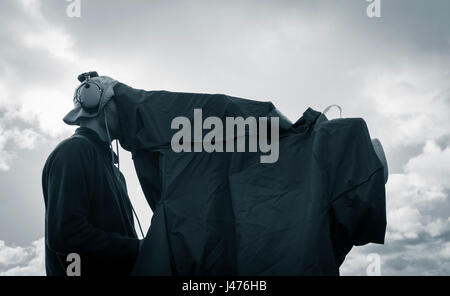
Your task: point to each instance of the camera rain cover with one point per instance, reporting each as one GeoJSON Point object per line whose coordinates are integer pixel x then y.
{"type": "Point", "coordinates": [221, 213]}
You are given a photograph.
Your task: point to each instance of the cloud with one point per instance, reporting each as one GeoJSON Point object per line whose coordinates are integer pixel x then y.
{"type": "Point", "coordinates": [33, 99]}
{"type": "Point", "coordinates": [54, 41]}
{"type": "Point", "coordinates": [44, 35]}
{"type": "Point", "coordinates": [23, 261]}
{"type": "Point", "coordinates": [412, 102]}
{"type": "Point", "coordinates": [5, 156]}
{"type": "Point", "coordinates": [433, 165]}
{"type": "Point", "coordinates": [10, 255]}
{"type": "Point", "coordinates": [426, 258]}
{"type": "Point", "coordinates": [20, 138]}
{"type": "Point", "coordinates": [42, 108]}
{"type": "Point", "coordinates": [418, 233]}
{"type": "Point", "coordinates": [418, 199]}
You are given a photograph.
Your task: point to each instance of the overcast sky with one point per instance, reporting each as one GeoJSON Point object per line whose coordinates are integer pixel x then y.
{"type": "Point", "coordinates": [392, 71]}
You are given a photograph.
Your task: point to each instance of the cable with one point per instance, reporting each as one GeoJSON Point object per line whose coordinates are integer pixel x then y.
{"type": "Point", "coordinates": [137, 219]}
{"type": "Point", "coordinates": [118, 176]}
{"type": "Point", "coordinates": [117, 151]}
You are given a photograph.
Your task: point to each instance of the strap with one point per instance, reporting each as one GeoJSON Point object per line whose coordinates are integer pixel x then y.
{"type": "Point", "coordinates": [331, 106]}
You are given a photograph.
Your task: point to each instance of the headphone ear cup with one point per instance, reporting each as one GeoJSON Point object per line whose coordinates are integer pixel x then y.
{"type": "Point", "coordinates": [89, 95]}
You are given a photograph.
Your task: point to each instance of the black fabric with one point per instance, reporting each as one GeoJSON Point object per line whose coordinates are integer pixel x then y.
{"type": "Point", "coordinates": [86, 209]}
{"type": "Point", "coordinates": [229, 214]}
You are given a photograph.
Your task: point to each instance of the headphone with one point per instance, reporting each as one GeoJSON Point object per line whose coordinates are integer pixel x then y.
{"type": "Point", "coordinates": [89, 93]}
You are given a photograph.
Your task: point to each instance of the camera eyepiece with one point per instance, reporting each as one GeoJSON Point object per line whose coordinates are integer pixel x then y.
{"type": "Point", "coordinates": [86, 76]}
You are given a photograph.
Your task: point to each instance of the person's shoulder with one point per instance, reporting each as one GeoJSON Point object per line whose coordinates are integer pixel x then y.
{"type": "Point", "coordinates": [73, 145]}
{"type": "Point", "coordinates": [70, 149]}
{"type": "Point", "coordinates": [72, 154]}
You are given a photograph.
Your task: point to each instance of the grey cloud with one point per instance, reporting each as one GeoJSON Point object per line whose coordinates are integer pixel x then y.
{"type": "Point", "coordinates": [400, 259]}
{"type": "Point", "coordinates": [443, 141]}
{"type": "Point", "coordinates": [29, 261]}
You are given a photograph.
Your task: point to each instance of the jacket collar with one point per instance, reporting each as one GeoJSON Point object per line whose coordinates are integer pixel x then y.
{"type": "Point", "coordinates": [91, 134]}
{"type": "Point", "coordinates": [95, 138]}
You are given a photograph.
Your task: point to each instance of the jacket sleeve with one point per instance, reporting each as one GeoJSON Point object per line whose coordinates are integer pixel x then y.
{"type": "Point", "coordinates": [358, 216]}
{"type": "Point", "coordinates": [68, 229]}
{"type": "Point", "coordinates": [355, 185]}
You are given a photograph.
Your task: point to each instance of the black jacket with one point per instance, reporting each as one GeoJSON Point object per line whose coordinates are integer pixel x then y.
{"type": "Point", "coordinates": [87, 210]}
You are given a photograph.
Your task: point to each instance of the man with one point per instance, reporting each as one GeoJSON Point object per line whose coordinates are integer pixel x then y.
{"type": "Point", "coordinates": [88, 211]}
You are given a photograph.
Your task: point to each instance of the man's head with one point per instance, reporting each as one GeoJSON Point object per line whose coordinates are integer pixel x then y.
{"type": "Point", "coordinates": [94, 105]}
{"type": "Point", "coordinates": [106, 122]}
